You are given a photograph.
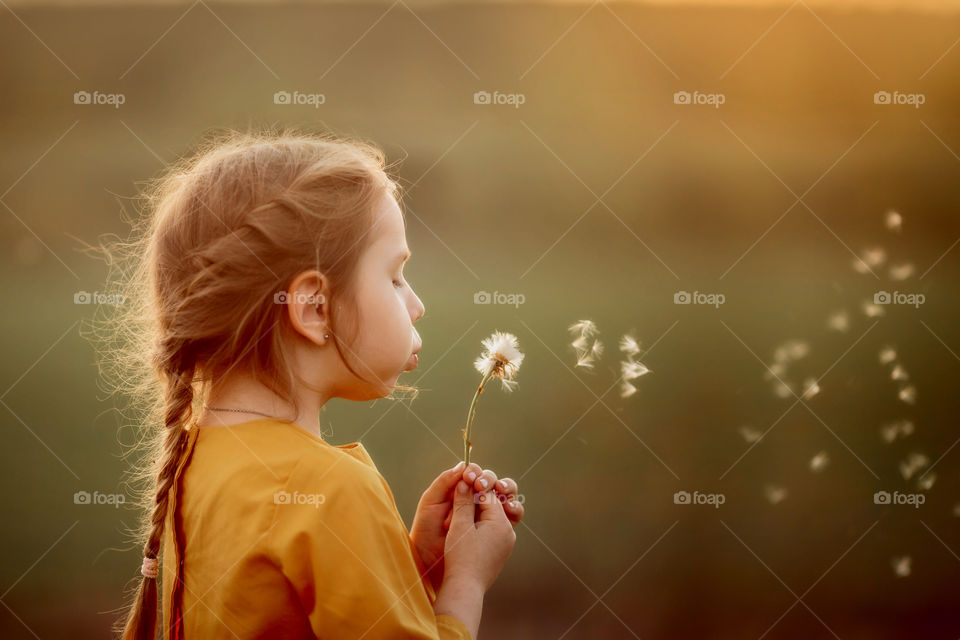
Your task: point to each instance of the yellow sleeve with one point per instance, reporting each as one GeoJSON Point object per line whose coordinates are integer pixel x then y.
{"type": "Point", "coordinates": [339, 540]}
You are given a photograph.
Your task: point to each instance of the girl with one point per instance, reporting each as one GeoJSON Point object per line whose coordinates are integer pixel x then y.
{"type": "Point", "coordinates": [268, 280]}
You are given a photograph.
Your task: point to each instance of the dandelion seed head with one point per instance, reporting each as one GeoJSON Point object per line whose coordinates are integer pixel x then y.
{"type": "Point", "coordinates": [501, 358]}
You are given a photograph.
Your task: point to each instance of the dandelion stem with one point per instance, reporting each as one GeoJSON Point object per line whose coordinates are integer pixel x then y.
{"type": "Point", "coordinates": [471, 414]}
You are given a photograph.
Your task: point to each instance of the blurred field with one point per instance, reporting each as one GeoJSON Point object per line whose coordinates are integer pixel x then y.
{"type": "Point", "coordinates": [494, 192]}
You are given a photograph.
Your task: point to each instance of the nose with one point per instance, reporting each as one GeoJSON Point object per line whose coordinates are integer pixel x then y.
{"type": "Point", "coordinates": [418, 308]}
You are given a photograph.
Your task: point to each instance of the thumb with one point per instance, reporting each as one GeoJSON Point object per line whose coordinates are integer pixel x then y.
{"type": "Point", "coordinates": [463, 507]}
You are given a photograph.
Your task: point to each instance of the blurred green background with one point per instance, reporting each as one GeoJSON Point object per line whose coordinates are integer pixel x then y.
{"type": "Point", "coordinates": [599, 197]}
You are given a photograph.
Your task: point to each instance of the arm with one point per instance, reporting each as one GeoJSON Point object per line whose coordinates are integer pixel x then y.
{"type": "Point", "coordinates": [462, 599]}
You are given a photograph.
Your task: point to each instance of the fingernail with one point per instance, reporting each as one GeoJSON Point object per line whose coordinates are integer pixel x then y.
{"type": "Point", "coordinates": [513, 504]}
{"type": "Point", "coordinates": [472, 476]}
{"type": "Point", "coordinates": [484, 483]}
{"type": "Point", "coordinates": [502, 485]}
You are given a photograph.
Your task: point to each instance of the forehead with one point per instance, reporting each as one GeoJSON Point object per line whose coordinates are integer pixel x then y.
{"type": "Point", "coordinates": [389, 228]}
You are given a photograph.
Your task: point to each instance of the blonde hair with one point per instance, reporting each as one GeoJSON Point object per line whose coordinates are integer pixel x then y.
{"type": "Point", "coordinates": [227, 228]}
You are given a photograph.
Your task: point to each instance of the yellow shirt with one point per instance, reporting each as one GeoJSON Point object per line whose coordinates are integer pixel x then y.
{"type": "Point", "coordinates": [283, 535]}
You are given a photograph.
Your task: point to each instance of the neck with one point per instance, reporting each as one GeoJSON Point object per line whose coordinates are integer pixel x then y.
{"type": "Point", "coordinates": [243, 392]}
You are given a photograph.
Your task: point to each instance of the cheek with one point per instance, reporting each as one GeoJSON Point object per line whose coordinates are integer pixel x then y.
{"type": "Point", "coordinates": [386, 338]}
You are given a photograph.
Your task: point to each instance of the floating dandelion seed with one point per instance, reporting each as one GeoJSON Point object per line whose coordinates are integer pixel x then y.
{"type": "Point", "coordinates": [839, 321]}
{"type": "Point", "coordinates": [819, 462]}
{"type": "Point", "coordinates": [925, 482]}
{"type": "Point", "coordinates": [631, 370]}
{"type": "Point", "coordinates": [584, 331]}
{"type": "Point", "coordinates": [501, 359]}
{"type": "Point", "coordinates": [629, 346]}
{"type": "Point", "coordinates": [775, 494]}
{"type": "Point", "coordinates": [890, 432]}
{"type": "Point", "coordinates": [627, 389]}
{"type": "Point", "coordinates": [913, 463]}
{"type": "Point", "coordinates": [783, 390]}
{"type": "Point", "coordinates": [874, 257]}
{"type": "Point", "coordinates": [887, 355]}
{"type": "Point", "coordinates": [797, 349]}
{"type": "Point", "coordinates": [810, 387]}
{"type": "Point", "coordinates": [775, 370]}
{"type": "Point", "coordinates": [872, 310]}
{"type": "Point", "coordinates": [908, 394]}
{"type": "Point", "coordinates": [901, 566]}
{"type": "Point", "coordinates": [900, 272]}
{"type": "Point", "coordinates": [893, 221]}
{"type": "Point", "coordinates": [749, 434]}
{"type": "Point", "coordinates": [899, 373]}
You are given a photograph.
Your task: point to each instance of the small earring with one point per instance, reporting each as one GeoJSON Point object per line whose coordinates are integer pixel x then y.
{"type": "Point", "coordinates": [326, 336]}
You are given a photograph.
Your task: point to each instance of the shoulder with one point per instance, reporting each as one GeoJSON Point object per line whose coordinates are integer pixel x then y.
{"type": "Point", "coordinates": [336, 480]}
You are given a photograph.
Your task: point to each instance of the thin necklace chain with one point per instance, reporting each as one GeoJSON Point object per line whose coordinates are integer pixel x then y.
{"type": "Point", "coordinates": [206, 406]}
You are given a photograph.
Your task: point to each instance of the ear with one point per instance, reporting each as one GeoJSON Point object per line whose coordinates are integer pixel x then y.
{"type": "Point", "coordinates": [307, 307]}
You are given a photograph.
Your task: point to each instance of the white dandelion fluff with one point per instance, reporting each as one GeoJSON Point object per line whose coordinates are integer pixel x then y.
{"type": "Point", "coordinates": [627, 389]}
{"type": "Point", "coordinates": [887, 355]}
{"type": "Point", "coordinates": [893, 221]}
{"type": "Point", "coordinates": [775, 494]}
{"type": "Point", "coordinates": [872, 310]}
{"type": "Point", "coordinates": [900, 272]}
{"type": "Point", "coordinates": [810, 387]}
{"type": "Point", "coordinates": [587, 353]}
{"type": "Point", "coordinates": [839, 321]}
{"type": "Point", "coordinates": [629, 346]}
{"type": "Point", "coordinates": [819, 462]}
{"type": "Point", "coordinates": [925, 482]}
{"type": "Point", "coordinates": [501, 359]}
{"type": "Point", "coordinates": [891, 431]}
{"type": "Point", "coordinates": [908, 394]}
{"type": "Point", "coordinates": [750, 434]}
{"type": "Point", "coordinates": [899, 373]}
{"type": "Point", "coordinates": [913, 463]}
{"type": "Point", "coordinates": [901, 566]}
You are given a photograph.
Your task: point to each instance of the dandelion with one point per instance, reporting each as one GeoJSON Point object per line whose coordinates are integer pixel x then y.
{"type": "Point", "coordinates": [775, 494]}
{"type": "Point", "coordinates": [893, 221]}
{"type": "Point", "coordinates": [819, 462]}
{"type": "Point", "coordinates": [501, 359]}
{"type": "Point", "coordinates": [901, 566]}
{"type": "Point", "coordinates": [908, 394]}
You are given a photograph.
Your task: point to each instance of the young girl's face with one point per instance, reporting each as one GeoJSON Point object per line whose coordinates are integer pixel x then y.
{"type": "Point", "coordinates": [386, 304]}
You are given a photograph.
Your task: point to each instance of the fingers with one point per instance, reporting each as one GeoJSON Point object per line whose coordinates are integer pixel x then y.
{"type": "Point", "coordinates": [439, 490]}
{"type": "Point", "coordinates": [507, 487]}
{"type": "Point", "coordinates": [481, 479]}
{"type": "Point", "coordinates": [514, 511]}
{"type": "Point", "coordinates": [490, 507]}
{"type": "Point", "coordinates": [463, 507]}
